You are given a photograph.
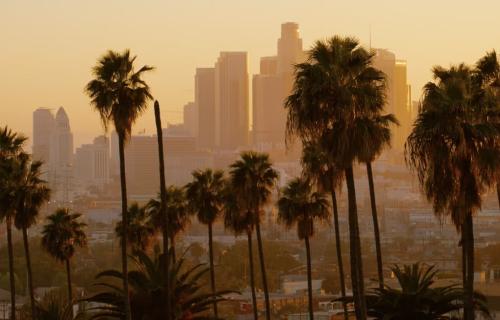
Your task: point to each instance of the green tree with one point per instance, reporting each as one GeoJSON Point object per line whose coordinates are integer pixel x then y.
{"type": "Point", "coordinates": [205, 196]}
{"type": "Point", "coordinates": [141, 229]}
{"type": "Point", "coordinates": [337, 101]}
{"type": "Point", "coordinates": [453, 150]}
{"type": "Point", "coordinates": [177, 211]}
{"type": "Point", "coordinates": [300, 205]}
{"type": "Point", "coordinates": [120, 95]}
{"type": "Point", "coordinates": [32, 193]}
{"type": "Point", "coordinates": [252, 179]}
{"type": "Point", "coordinates": [317, 167]}
{"type": "Point", "coordinates": [11, 153]}
{"type": "Point", "coordinates": [62, 233]}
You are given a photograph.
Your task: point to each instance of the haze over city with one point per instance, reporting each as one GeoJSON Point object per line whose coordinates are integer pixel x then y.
{"type": "Point", "coordinates": [58, 42]}
{"type": "Point", "coordinates": [246, 160]}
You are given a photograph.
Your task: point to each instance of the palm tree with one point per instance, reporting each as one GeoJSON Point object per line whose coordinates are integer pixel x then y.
{"type": "Point", "coordinates": [327, 176]}
{"type": "Point", "coordinates": [253, 180]}
{"type": "Point", "coordinates": [148, 296]}
{"type": "Point", "coordinates": [120, 95]}
{"type": "Point", "coordinates": [418, 298]}
{"type": "Point", "coordinates": [177, 211]}
{"type": "Point", "coordinates": [300, 206]}
{"type": "Point", "coordinates": [337, 100]}
{"type": "Point", "coordinates": [60, 237]}
{"type": "Point", "coordinates": [240, 220]}
{"type": "Point", "coordinates": [205, 195]}
{"type": "Point", "coordinates": [141, 229]}
{"type": "Point", "coordinates": [11, 145]}
{"type": "Point", "coordinates": [453, 149]}
{"type": "Point", "coordinates": [32, 193]}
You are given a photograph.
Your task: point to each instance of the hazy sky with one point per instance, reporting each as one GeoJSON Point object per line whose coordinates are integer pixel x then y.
{"type": "Point", "coordinates": [48, 47]}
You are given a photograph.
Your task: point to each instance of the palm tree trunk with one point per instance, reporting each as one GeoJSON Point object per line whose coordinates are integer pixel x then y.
{"type": "Point", "coordinates": [376, 230]}
{"type": "Point", "coordinates": [470, 267]}
{"type": "Point", "coordinates": [163, 195]}
{"type": "Point", "coordinates": [263, 271]}
{"type": "Point", "coordinates": [212, 271]}
{"type": "Point", "coordinates": [358, 289]}
{"type": "Point", "coordinates": [339, 251]}
{"type": "Point", "coordinates": [123, 182]}
{"type": "Point", "coordinates": [30, 272]}
{"type": "Point", "coordinates": [11, 270]}
{"type": "Point", "coordinates": [252, 273]}
{"type": "Point", "coordinates": [172, 248]}
{"type": "Point", "coordinates": [498, 193]}
{"type": "Point", "coordinates": [70, 287]}
{"type": "Point", "coordinates": [464, 265]}
{"type": "Point", "coordinates": [309, 279]}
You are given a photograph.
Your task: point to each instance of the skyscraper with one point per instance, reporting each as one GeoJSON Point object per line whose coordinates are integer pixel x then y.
{"type": "Point", "coordinates": [272, 86]}
{"type": "Point", "coordinates": [205, 101]}
{"type": "Point", "coordinates": [92, 164]}
{"type": "Point", "coordinates": [61, 158]}
{"type": "Point", "coordinates": [43, 125]}
{"type": "Point", "coordinates": [190, 116]}
{"type": "Point", "coordinates": [231, 101]}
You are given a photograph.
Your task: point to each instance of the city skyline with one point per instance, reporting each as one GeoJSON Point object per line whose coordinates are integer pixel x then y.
{"type": "Point", "coordinates": [66, 71]}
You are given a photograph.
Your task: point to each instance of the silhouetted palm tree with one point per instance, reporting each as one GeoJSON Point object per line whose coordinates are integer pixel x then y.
{"type": "Point", "coordinates": [205, 195]}
{"type": "Point", "coordinates": [240, 220]}
{"type": "Point", "coordinates": [148, 297]}
{"type": "Point", "coordinates": [177, 211]}
{"type": "Point", "coordinates": [32, 193]}
{"type": "Point", "coordinates": [337, 100]}
{"type": "Point", "coordinates": [327, 176]}
{"type": "Point", "coordinates": [141, 229]}
{"type": "Point", "coordinates": [453, 149]}
{"type": "Point", "coordinates": [418, 297]}
{"type": "Point", "coordinates": [11, 146]}
{"type": "Point", "coordinates": [60, 237]}
{"type": "Point", "coordinates": [252, 180]}
{"type": "Point", "coordinates": [300, 205]}
{"type": "Point", "coordinates": [120, 95]}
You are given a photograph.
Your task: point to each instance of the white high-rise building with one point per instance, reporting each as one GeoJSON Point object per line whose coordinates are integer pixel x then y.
{"type": "Point", "coordinates": [61, 158]}
{"type": "Point", "coordinates": [43, 126]}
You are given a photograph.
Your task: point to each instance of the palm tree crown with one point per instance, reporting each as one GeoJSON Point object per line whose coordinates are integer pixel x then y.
{"type": "Point", "coordinates": [63, 233]}
{"type": "Point", "coordinates": [118, 92]}
{"type": "Point", "coordinates": [141, 229]}
{"type": "Point", "coordinates": [301, 206]}
{"type": "Point", "coordinates": [205, 194]}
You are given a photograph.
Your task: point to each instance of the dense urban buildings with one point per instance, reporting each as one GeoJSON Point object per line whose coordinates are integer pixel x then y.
{"type": "Point", "coordinates": [204, 99]}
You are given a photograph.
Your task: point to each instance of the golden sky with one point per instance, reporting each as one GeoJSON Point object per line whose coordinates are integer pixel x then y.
{"type": "Point", "coordinates": [48, 47]}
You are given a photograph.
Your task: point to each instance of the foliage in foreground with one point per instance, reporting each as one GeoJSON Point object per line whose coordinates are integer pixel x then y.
{"type": "Point", "coordinates": [147, 294]}
{"type": "Point", "coordinates": [418, 298]}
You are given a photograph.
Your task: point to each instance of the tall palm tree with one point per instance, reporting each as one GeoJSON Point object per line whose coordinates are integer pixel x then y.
{"type": "Point", "coordinates": [120, 95]}
{"type": "Point", "coordinates": [453, 149]}
{"type": "Point", "coordinates": [337, 100]}
{"type": "Point", "coordinates": [177, 211]}
{"type": "Point", "coordinates": [240, 220]}
{"type": "Point", "coordinates": [327, 176]}
{"type": "Point", "coordinates": [60, 237]}
{"type": "Point", "coordinates": [32, 193]}
{"type": "Point", "coordinates": [205, 196]}
{"type": "Point", "coordinates": [141, 229]}
{"type": "Point", "coordinates": [253, 179]}
{"type": "Point", "coordinates": [300, 205]}
{"type": "Point", "coordinates": [11, 152]}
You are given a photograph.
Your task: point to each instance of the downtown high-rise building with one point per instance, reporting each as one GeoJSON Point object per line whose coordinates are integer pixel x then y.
{"type": "Point", "coordinates": [231, 101]}
{"type": "Point", "coordinates": [92, 164]}
{"type": "Point", "coordinates": [43, 125]}
{"type": "Point", "coordinates": [398, 94]}
{"type": "Point", "coordinates": [190, 118]}
{"type": "Point", "coordinates": [204, 99]}
{"type": "Point", "coordinates": [271, 87]}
